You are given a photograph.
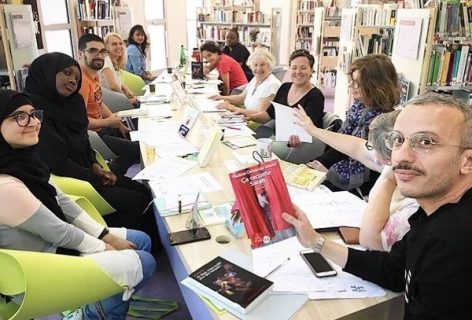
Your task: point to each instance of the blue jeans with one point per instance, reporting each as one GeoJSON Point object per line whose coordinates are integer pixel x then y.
{"type": "Point", "coordinates": [114, 307]}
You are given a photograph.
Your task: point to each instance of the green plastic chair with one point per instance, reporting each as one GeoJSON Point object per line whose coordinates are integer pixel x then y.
{"type": "Point", "coordinates": [88, 207]}
{"type": "Point", "coordinates": [84, 189]}
{"type": "Point", "coordinates": [50, 283]}
{"type": "Point", "coordinates": [133, 82]}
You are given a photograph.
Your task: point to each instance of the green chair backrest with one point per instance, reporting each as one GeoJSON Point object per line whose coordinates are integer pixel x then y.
{"type": "Point", "coordinates": [51, 283]}
{"type": "Point", "coordinates": [133, 82]}
{"type": "Point", "coordinates": [82, 188]}
{"type": "Point", "coordinates": [88, 207]}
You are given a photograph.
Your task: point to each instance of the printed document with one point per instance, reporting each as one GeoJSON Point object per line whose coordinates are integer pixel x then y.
{"type": "Point", "coordinates": [285, 124]}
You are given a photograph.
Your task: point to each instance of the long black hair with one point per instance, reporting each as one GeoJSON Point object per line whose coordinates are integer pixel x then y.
{"type": "Point", "coordinates": [145, 43]}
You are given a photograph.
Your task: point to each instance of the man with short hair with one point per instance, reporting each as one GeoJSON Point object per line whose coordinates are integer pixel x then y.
{"type": "Point", "coordinates": [111, 129]}
{"type": "Point", "coordinates": [432, 160]}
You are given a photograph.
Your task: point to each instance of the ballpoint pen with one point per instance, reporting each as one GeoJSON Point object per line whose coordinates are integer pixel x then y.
{"type": "Point", "coordinates": [179, 203]}
{"type": "Point", "coordinates": [277, 267]}
{"type": "Point", "coordinates": [234, 128]}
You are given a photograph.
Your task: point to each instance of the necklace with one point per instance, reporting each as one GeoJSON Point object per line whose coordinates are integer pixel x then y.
{"type": "Point", "coordinates": [295, 94]}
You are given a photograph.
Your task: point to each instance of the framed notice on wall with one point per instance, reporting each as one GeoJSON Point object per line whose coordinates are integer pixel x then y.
{"type": "Point", "coordinates": [409, 34]}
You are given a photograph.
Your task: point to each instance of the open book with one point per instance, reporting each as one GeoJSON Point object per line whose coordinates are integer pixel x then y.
{"type": "Point", "coordinates": [231, 285]}
{"type": "Point", "coordinates": [301, 176]}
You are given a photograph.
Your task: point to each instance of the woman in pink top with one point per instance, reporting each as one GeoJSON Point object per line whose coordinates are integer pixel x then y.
{"type": "Point", "coordinates": [229, 69]}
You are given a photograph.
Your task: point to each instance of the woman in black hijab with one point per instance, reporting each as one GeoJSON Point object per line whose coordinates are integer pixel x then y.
{"type": "Point", "coordinates": [34, 216]}
{"type": "Point", "coordinates": [53, 83]}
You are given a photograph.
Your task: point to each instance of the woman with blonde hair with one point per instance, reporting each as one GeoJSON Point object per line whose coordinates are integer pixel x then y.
{"type": "Point", "coordinates": [261, 89]}
{"type": "Point", "coordinates": [110, 75]}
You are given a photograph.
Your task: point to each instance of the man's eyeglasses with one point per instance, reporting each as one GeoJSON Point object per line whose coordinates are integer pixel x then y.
{"type": "Point", "coordinates": [419, 142]}
{"type": "Point", "coordinates": [368, 146]}
{"type": "Point", "coordinates": [23, 118]}
{"type": "Point", "coordinates": [95, 52]}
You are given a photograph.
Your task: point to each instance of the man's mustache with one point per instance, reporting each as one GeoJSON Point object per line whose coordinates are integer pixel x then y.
{"type": "Point", "coordinates": [407, 166]}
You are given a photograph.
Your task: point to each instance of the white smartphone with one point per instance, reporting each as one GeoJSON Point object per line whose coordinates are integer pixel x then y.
{"type": "Point", "coordinates": [319, 265]}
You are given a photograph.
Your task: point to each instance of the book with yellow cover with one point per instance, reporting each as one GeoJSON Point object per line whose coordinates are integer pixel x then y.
{"type": "Point", "coordinates": [301, 176]}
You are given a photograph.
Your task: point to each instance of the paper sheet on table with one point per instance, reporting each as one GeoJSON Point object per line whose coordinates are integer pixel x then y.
{"type": "Point", "coordinates": [208, 105]}
{"type": "Point", "coordinates": [165, 168]}
{"type": "Point", "coordinates": [296, 276]}
{"type": "Point", "coordinates": [285, 126]}
{"type": "Point", "coordinates": [204, 90]}
{"type": "Point", "coordinates": [204, 82]}
{"type": "Point", "coordinates": [159, 111]}
{"type": "Point", "coordinates": [155, 129]}
{"type": "Point", "coordinates": [199, 182]}
{"type": "Point", "coordinates": [237, 131]}
{"type": "Point", "coordinates": [334, 209]}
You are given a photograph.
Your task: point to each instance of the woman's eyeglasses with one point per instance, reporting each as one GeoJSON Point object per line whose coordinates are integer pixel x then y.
{"type": "Point", "coordinates": [23, 118]}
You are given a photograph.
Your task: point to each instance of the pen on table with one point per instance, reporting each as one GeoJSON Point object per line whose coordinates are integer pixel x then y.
{"type": "Point", "coordinates": [179, 204]}
{"type": "Point", "coordinates": [234, 128]}
{"type": "Point", "coordinates": [277, 267]}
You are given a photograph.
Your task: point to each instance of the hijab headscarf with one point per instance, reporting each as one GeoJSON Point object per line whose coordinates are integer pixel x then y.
{"type": "Point", "coordinates": [41, 85]}
{"type": "Point", "coordinates": [65, 115]}
{"type": "Point", "coordinates": [22, 163]}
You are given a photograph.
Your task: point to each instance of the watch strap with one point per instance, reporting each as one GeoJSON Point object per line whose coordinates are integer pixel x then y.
{"type": "Point", "coordinates": [319, 244]}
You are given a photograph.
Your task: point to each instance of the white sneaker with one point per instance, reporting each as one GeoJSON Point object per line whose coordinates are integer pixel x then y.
{"type": "Point", "coordinates": [77, 314]}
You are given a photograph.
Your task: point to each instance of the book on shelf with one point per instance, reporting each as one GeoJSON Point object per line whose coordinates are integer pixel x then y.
{"type": "Point", "coordinates": [261, 193]}
{"type": "Point", "coordinates": [236, 288]}
{"type": "Point", "coordinates": [301, 176]}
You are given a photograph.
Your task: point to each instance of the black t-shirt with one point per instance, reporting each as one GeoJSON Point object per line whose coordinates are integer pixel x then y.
{"type": "Point", "coordinates": [432, 263]}
{"type": "Point", "coordinates": [312, 102]}
{"type": "Point", "coordinates": [240, 53]}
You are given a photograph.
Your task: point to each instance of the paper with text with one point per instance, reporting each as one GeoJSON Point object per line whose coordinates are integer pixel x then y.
{"type": "Point", "coordinates": [285, 124]}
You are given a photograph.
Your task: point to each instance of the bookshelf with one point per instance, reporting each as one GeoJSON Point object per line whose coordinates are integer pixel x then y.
{"type": "Point", "coordinates": [95, 16]}
{"type": "Point", "coordinates": [304, 23]}
{"type": "Point", "coordinates": [450, 60]}
{"type": "Point", "coordinates": [255, 27]}
{"type": "Point", "coordinates": [18, 44]}
{"type": "Point", "coordinates": [329, 47]}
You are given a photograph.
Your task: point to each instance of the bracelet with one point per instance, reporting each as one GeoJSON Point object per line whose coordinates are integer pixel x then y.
{"type": "Point", "coordinates": [319, 244]}
{"type": "Point", "coordinates": [104, 233]}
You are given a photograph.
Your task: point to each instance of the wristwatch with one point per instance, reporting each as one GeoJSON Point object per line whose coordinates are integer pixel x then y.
{"type": "Point", "coordinates": [104, 233]}
{"type": "Point", "coordinates": [319, 244]}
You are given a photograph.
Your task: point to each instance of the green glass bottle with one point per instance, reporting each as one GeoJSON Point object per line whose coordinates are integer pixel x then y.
{"type": "Point", "coordinates": [183, 58]}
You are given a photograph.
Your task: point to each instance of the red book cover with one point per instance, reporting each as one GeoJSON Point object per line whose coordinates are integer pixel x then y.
{"type": "Point", "coordinates": [262, 197]}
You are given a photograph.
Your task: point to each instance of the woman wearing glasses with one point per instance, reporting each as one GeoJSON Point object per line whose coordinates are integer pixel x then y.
{"type": "Point", "coordinates": [110, 75]}
{"type": "Point", "coordinates": [53, 84]}
{"type": "Point", "coordinates": [299, 92]}
{"type": "Point", "coordinates": [385, 219]}
{"type": "Point", "coordinates": [261, 89]}
{"type": "Point", "coordinates": [36, 216]}
{"type": "Point", "coordinates": [136, 52]}
{"type": "Point", "coordinates": [374, 87]}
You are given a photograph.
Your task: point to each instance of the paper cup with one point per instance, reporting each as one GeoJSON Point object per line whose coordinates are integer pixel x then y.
{"type": "Point", "coordinates": [152, 87]}
{"type": "Point", "coordinates": [264, 147]}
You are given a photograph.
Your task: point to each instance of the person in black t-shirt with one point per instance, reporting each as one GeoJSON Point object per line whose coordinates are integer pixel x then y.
{"type": "Point", "coordinates": [237, 51]}
{"type": "Point", "coordinates": [432, 163]}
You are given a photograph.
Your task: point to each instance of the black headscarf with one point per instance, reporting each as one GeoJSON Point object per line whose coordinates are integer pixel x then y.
{"type": "Point", "coordinates": [22, 163]}
{"type": "Point", "coordinates": [41, 86]}
{"type": "Point", "coordinates": [67, 116]}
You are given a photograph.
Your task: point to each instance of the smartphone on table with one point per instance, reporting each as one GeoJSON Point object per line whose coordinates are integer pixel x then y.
{"type": "Point", "coordinates": [319, 265]}
{"type": "Point", "coordinates": [187, 236]}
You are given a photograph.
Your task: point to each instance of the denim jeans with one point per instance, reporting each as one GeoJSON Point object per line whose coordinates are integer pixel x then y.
{"type": "Point", "coordinates": [114, 307]}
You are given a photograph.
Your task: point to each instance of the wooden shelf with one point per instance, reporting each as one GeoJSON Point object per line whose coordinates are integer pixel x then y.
{"type": "Point", "coordinates": [331, 32]}
{"type": "Point", "coordinates": [449, 88]}
{"type": "Point", "coordinates": [328, 61]}
{"type": "Point", "coordinates": [254, 25]}
{"type": "Point", "coordinates": [215, 23]}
